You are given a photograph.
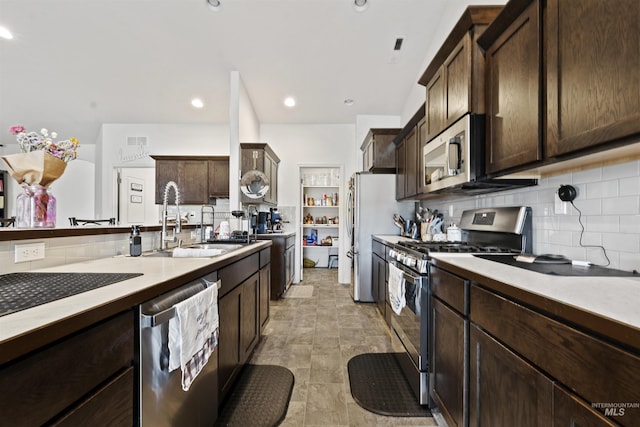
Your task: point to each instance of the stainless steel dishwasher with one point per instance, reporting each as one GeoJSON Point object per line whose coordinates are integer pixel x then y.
{"type": "Point", "coordinates": [162, 400]}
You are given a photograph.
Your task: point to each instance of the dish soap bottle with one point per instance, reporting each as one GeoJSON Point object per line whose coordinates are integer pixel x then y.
{"type": "Point", "coordinates": [135, 241]}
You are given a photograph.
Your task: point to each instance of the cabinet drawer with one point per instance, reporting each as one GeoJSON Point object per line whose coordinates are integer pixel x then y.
{"type": "Point", "coordinates": [233, 275]}
{"type": "Point", "coordinates": [265, 257]}
{"type": "Point", "coordinates": [112, 405]}
{"type": "Point", "coordinates": [596, 370]}
{"type": "Point", "coordinates": [40, 386]}
{"type": "Point", "coordinates": [450, 288]}
{"type": "Point", "coordinates": [378, 249]}
{"type": "Point", "coordinates": [290, 241]}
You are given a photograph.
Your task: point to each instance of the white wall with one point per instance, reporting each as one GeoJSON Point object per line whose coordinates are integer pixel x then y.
{"type": "Point", "coordinates": [309, 145]}
{"type": "Point", "coordinates": [165, 139]}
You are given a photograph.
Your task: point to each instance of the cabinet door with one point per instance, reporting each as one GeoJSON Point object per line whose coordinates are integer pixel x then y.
{"type": "Point", "coordinates": [218, 178]}
{"type": "Point", "coordinates": [422, 141]}
{"type": "Point", "coordinates": [166, 170]}
{"type": "Point", "coordinates": [593, 77]}
{"type": "Point", "coordinates": [289, 265]}
{"type": "Point", "coordinates": [504, 389]}
{"type": "Point", "coordinates": [512, 94]}
{"type": "Point", "coordinates": [265, 293]}
{"type": "Point", "coordinates": [571, 411]}
{"type": "Point", "coordinates": [249, 316]}
{"type": "Point", "coordinates": [401, 155]}
{"type": "Point", "coordinates": [193, 182]}
{"type": "Point", "coordinates": [457, 73]}
{"type": "Point", "coordinates": [228, 339]}
{"type": "Point", "coordinates": [411, 172]}
{"type": "Point", "coordinates": [448, 368]}
{"type": "Point", "coordinates": [435, 107]}
{"type": "Point", "coordinates": [273, 178]}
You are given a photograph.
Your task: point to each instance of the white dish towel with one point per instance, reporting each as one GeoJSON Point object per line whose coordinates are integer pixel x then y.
{"type": "Point", "coordinates": [397, 298]}
{"type": "Point", "coordinates": [193, 333]}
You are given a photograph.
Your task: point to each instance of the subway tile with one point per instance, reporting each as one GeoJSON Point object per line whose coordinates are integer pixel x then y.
{"type": "Point", "coordinates": [588, 238]}
{"type": "Point", "coordinates": [630, 223]}
{"type": "Point", "coordinates": [602, 189]}
{"type": "Point", "coordinates": [587, 176]}
{"type": "Point", "coordinates": [603, 223]}
{"type": "Point", "coordinates": [621, 170]}
{"type": "Point", "coordinates": [630, 186]}
{"type": "Point", "coordinates": [623, 242]}
{"type": "Point", "coordinates": [588, 206]}
{"type": "Point", "coordinates": [629, 205]}
{"type": "Point", "coordinates": [629, 261]}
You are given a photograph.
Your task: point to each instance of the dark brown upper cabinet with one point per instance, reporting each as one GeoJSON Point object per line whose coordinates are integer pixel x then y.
{"type": "Point", "coordinates": [592, 73]}
{"type": "Point", "coordinates": [454, 79]}
{"type": "Point", "coordinates": [266, 162]}
{"type": "Point", "coordinates": [378, 151]}
{"type": "Point", "coordinates": [513, 94]}
{"type": "Point", "coordinates": [562, 82]}
{"type": "Point", "coordinates": [408, 145]}
{"type": "Point", "coordinates": [200, 179]}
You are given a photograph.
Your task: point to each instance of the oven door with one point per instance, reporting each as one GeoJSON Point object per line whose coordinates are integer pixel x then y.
{"type": "Point", "coordinates": [411, 325]}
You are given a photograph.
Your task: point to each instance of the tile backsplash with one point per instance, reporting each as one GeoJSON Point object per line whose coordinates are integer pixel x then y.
{"type": "Point", "coordinates": [608, 197]}
{"type": "Point", "coordinates": [68, 250]}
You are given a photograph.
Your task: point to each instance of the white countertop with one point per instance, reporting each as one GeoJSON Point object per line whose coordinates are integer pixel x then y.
{"type": "Point", "coordinates": [615, 298]}
{"type": "Point", "coordinates": [611, 299]}
{"type": "Point", "coordinates": [155, 270]}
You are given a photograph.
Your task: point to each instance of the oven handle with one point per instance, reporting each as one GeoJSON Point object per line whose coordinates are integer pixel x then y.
{"type": "Point", "coordinates": [407, 275]}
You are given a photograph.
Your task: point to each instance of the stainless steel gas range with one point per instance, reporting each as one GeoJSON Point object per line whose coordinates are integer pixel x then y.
{"type": "Point", "coordinates": [505, 230]}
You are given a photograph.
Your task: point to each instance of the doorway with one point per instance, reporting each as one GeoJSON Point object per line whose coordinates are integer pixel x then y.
{"type": "Point", "coordinates": [135, 196]}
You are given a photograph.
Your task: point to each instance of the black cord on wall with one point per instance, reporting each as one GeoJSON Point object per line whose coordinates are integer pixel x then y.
{"type": "Point", "coordinates": [604, 251]}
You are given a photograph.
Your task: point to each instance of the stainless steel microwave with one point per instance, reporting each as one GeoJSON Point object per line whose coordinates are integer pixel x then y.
{"type": "Point", "coordinates": [453, 161]}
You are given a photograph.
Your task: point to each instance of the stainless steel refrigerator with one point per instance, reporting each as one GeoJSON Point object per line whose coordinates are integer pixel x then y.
{"type": "Point", "coordinates": [371, 204]}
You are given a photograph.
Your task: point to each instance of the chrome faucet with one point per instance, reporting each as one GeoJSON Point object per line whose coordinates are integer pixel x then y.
{"type": "Point", "coordinates": [163, 235]}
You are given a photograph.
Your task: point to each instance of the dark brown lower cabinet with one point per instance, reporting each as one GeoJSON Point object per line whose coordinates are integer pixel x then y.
{"type": "Point", "coordinates": [249, 316]}
{"type": "Point", "coordinates": [448, 363]}
{"type": "Point", "coordinates": [570, 411]}
{"type": "Point", "coordinates": [265, 294]}
{"type": "Point", "coordinates": [504, 389]}
{"type": "Point", "coordinates": [239, 330]}
{"type": "Point", "coordinates": [228, 340]}
{"type": "Point", "coordinates": [111, 405]}
{"type": "Point", "coordinates": [85, 379]}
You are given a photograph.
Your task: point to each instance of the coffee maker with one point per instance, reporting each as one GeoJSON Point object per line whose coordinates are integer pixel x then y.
{"type": "Point", "coordinates": [264, 222]}
{"type": "Point", "coordinates": [276, 220]}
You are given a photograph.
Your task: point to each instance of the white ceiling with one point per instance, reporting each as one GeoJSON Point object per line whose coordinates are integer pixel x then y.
{"type": "Point", "coordinates": [75, 64]}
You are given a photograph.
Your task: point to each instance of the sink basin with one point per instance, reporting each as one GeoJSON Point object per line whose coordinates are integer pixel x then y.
{"type": "Point", "coordinates": [222, 246]}
{"type": "Point", "coordinates": [154, 254]}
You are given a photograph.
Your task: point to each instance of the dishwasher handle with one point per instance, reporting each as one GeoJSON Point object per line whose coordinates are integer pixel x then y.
{"type": "Point", "coordinates": [159, 310]}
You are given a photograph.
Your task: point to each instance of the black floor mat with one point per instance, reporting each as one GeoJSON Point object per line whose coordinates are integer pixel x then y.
{"type": "Point", "coordinates": [378, 385]}
{"type": "Point", "coordinates": [260, 397]}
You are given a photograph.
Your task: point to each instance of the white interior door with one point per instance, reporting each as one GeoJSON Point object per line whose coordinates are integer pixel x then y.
{"type": "Point", "coordinates": [136, 196]}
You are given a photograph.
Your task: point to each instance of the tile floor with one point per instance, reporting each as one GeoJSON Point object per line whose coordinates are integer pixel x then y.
{"type": "Point", "coordinates": [315, 338]}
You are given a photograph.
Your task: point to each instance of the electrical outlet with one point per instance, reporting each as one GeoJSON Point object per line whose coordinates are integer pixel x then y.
{"type": "Point", "coordinates": [29, 252]}
{"type": "Point", "coordinates": [560, 207]}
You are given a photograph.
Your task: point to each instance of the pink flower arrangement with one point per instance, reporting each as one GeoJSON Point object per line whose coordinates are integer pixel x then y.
{"type": "Point", "coordinates": [32, 141]}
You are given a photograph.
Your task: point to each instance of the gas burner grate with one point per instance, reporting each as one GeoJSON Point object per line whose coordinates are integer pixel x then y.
{"type": "Point", "coordinates": [20, 291]}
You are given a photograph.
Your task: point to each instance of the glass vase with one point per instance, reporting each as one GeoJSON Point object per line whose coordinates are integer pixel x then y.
{"type": "Point", "coordinates": [40, 200]}
{"type": "Point", "coordinates": [23, 208]}
{"type": "Point", "coordinates": [51, 209]}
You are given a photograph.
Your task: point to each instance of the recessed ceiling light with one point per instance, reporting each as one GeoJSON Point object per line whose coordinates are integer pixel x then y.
{"type": "Point", "coordinates": [214, 5]}
{"type": "Point", "coordinates": [197, 103]}
{"type": "Point", "coordinates": [289, 102]}
{"type": "Point", "coordinates": [360, 5]}
{"type": "Point", "coordinates": [5, 33]}
{"type": "Point", "coordinates": [349, 102]}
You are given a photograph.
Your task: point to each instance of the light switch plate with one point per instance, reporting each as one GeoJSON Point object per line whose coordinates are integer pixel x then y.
{"type": "Point", "coordinates": [29, 252]}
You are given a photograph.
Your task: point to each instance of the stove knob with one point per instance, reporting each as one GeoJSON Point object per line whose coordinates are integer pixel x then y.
{"type": "Point", "coordinates": [411, 261]}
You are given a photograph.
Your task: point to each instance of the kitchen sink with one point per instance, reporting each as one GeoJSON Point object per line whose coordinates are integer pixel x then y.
{"type": "Point", "coordinates": [198, 250]}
